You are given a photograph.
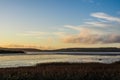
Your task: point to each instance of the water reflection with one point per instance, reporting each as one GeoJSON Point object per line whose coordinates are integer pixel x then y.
{"type": "Point", "coordinates": [28, 60]}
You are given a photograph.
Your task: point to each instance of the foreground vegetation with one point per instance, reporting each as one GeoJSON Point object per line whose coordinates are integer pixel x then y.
{"type": "Point", "coordinates": [63, 71]}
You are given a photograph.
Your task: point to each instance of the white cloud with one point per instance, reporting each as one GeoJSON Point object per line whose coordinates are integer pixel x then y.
{"type": "Point", "coordinates": [73, 27]}
{"type": "Point", "coordinates": [28, 46]}
{"type": "Point", "coordinates": [87, 37]}
{"type": "Point", "coordinates": [97, 24]}
{"type": "Point", "coordinates": [104, 16]}
{"type": "Point", "coordinates": [101, 21]}
{"type": "Point", "coordinates": [47, 35]}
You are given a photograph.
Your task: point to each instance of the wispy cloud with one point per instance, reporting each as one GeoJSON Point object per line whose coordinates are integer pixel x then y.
{"type": "Point", "coordinates": [73, 27]}
{"type": "Point", "coordinates": [97, 24]}
{"type": "Point", "coordinates": [95, 32]}
{"type": "Point", "coordinates": [43, 34]}
{"type": "Point", "coordinates": [28, 46]}
{"type": "Point", "coordinates": [104, 16]}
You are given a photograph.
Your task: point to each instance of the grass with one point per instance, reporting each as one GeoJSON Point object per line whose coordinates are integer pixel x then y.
{"type": "Point", "coordinates": [63, 71]}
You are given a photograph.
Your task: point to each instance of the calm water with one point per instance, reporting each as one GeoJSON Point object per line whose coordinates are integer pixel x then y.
{"type": "Point", "coordinates": [33, 59]}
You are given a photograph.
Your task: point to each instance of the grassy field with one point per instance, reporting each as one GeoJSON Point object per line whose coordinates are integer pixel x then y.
{"type": "Point", "coordinates": [63, 71]}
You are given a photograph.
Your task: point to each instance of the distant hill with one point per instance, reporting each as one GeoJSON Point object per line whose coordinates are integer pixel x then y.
{"type": "Point", "coordinates": [26, 49]}
{"type": "Point", "coordinates": [85, 50]}
{"type": "Point", "coordinates": [10, 52]}
{"type": "Point", "coordinates": [15, 50]}
{"type": "Point", "coordinates": [23, 50]}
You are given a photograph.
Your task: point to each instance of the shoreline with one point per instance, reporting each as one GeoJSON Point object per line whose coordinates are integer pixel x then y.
{"type": "Point", "coordinates": [65, 53]}
{"type": "Point", "coordinates": [64, 63]}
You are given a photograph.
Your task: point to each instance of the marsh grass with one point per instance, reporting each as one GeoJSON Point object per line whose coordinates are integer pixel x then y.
{"type": "Point", "coordinates": [63, 71]}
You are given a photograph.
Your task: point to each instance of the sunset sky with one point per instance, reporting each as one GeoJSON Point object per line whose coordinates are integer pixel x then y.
{"type": "Point", "coordinates": [51, 24]}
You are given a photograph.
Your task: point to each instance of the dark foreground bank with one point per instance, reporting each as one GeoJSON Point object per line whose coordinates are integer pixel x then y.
{"type": "Point", "coordinates": [63, 71]}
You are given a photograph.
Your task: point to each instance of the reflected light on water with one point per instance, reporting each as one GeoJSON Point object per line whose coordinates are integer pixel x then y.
{"type": "Point", "coordinates": [29, 60]}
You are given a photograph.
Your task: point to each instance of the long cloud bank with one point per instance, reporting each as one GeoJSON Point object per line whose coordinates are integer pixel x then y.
{"type": "Point", "coordinates": [86, 37]}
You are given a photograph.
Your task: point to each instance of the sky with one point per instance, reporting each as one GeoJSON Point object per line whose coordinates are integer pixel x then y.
{"type": "Point", "coordinates": [53, 24]}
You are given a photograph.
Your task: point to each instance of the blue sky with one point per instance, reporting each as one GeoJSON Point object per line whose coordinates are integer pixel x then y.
{"type": "Point", "coordinates": [59, 23]}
